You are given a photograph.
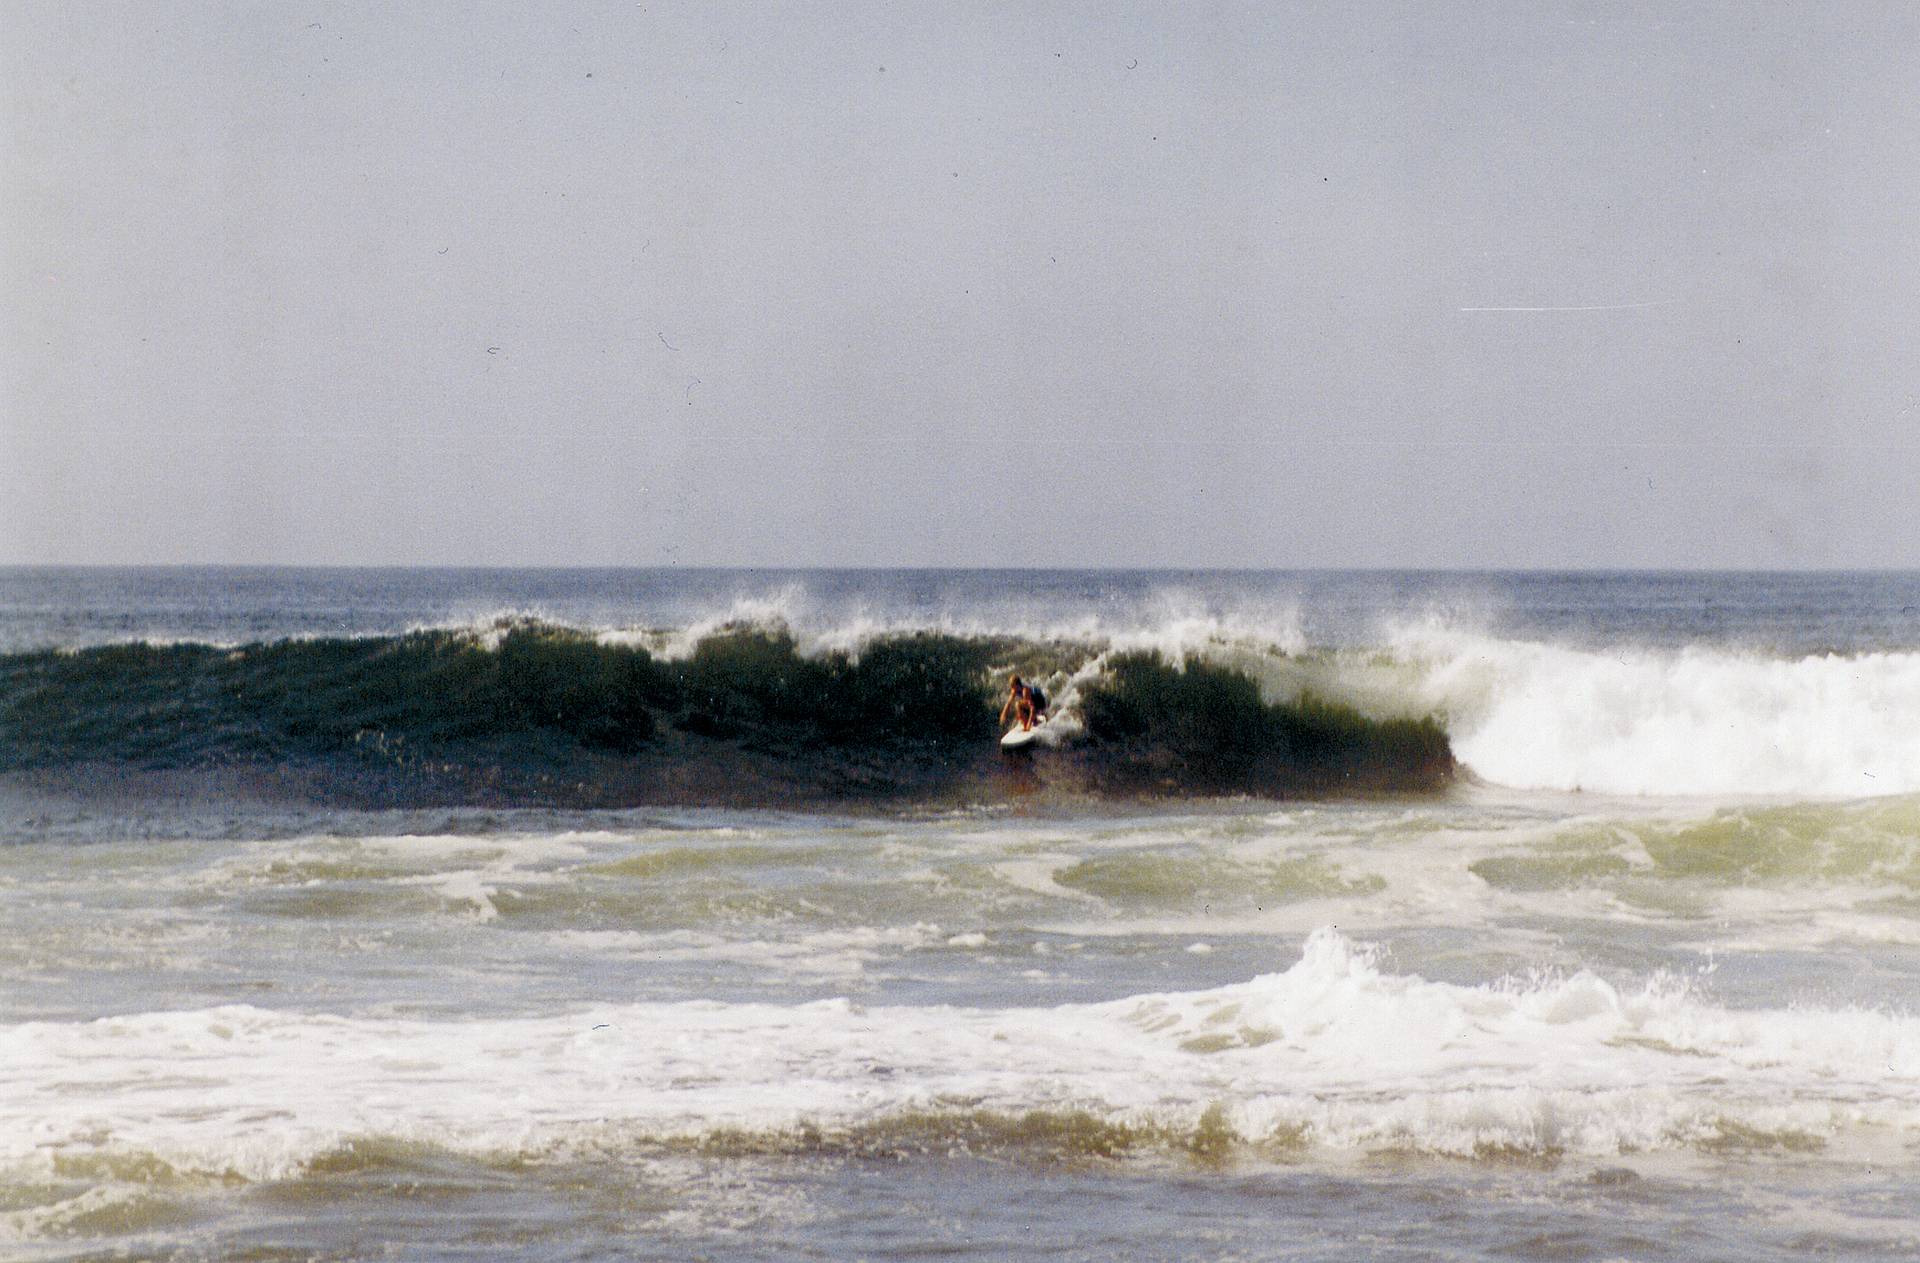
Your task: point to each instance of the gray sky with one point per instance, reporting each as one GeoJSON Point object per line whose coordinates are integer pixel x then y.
{"type": "Point", "coordinates": [647, 283]}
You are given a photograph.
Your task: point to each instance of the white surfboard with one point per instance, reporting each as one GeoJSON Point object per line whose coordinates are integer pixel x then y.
{"type": "Point", "coordinates": [1018, 737]}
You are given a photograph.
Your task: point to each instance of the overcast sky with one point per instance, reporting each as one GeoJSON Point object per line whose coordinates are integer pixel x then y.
{"type": "Point", "coordinates": [961, 284]}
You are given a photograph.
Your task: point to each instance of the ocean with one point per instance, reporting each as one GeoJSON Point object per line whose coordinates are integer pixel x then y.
{"type": "Point", "coordinates": [1639, 981]}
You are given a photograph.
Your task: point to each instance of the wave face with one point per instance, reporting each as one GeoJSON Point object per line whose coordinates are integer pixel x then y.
{"type": "Point", "coordinates": [737, 714]}
{"type": "Point", "coordinates": [1655, 685]}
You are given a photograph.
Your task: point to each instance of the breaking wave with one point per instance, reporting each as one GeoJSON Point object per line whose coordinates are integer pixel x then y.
{"type": "Point", "coordinates": [522, 711]}
{"type": "Point", "coordinates": [1674, 721]}
{"type": "Point", "coordinates": [1170, 700]}
{"type": "Point", "coordinates": [1336, 1052]}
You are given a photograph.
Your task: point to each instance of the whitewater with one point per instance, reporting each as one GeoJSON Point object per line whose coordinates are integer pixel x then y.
{"type": "Point", "coordinates": [1642, 981]}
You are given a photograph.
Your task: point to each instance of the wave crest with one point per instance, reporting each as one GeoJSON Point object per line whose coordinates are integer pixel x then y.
{"type": "Point", "coordinates": [525, 711]}
{"type": "Point", "coordinates": [1184, 698]}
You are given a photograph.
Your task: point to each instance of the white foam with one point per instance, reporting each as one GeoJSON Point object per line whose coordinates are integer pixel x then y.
{"type": "Point", "coordinates": [67, 1217]}
{"type": "Point", "coordinates": [462, 871]}
{"type": "Point", "coordinates": [1035, 874]}
{"type": "Point", "coordinates": [841, 955]}
{"type": "Point", "coordinates": [1336, 1048]}
{"type": "Point", "coordinates": [469, 888]}
{"type": "Point", "coordinates": [1651, 721]}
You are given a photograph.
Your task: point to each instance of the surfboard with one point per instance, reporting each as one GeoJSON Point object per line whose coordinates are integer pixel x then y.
{"type": "Point", "coordinates": [1017, 737]}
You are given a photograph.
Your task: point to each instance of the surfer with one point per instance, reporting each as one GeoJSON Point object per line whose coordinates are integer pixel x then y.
{"type": "Point", "coordinates": [1026, 702]}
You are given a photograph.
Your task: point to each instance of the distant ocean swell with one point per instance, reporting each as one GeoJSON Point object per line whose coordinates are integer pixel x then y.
{"type": "Point", "coordinates": [748, 711]}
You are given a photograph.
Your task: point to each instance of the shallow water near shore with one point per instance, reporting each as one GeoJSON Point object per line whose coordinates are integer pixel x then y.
{"type": "Point", "coordinates": [758, 1035]}
{"type": "Point", "coordinates": [1511, 1020]}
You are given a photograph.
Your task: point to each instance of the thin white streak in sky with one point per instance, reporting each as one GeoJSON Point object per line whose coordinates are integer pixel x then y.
{"type": "Point", "coordinates": [1664, 302]}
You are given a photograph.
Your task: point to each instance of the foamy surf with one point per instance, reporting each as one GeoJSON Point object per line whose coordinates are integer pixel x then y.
{"type": "Point", "coordinates": [1335, 1052]}
{"type": "Point", "coordinates": [1697, 721]}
